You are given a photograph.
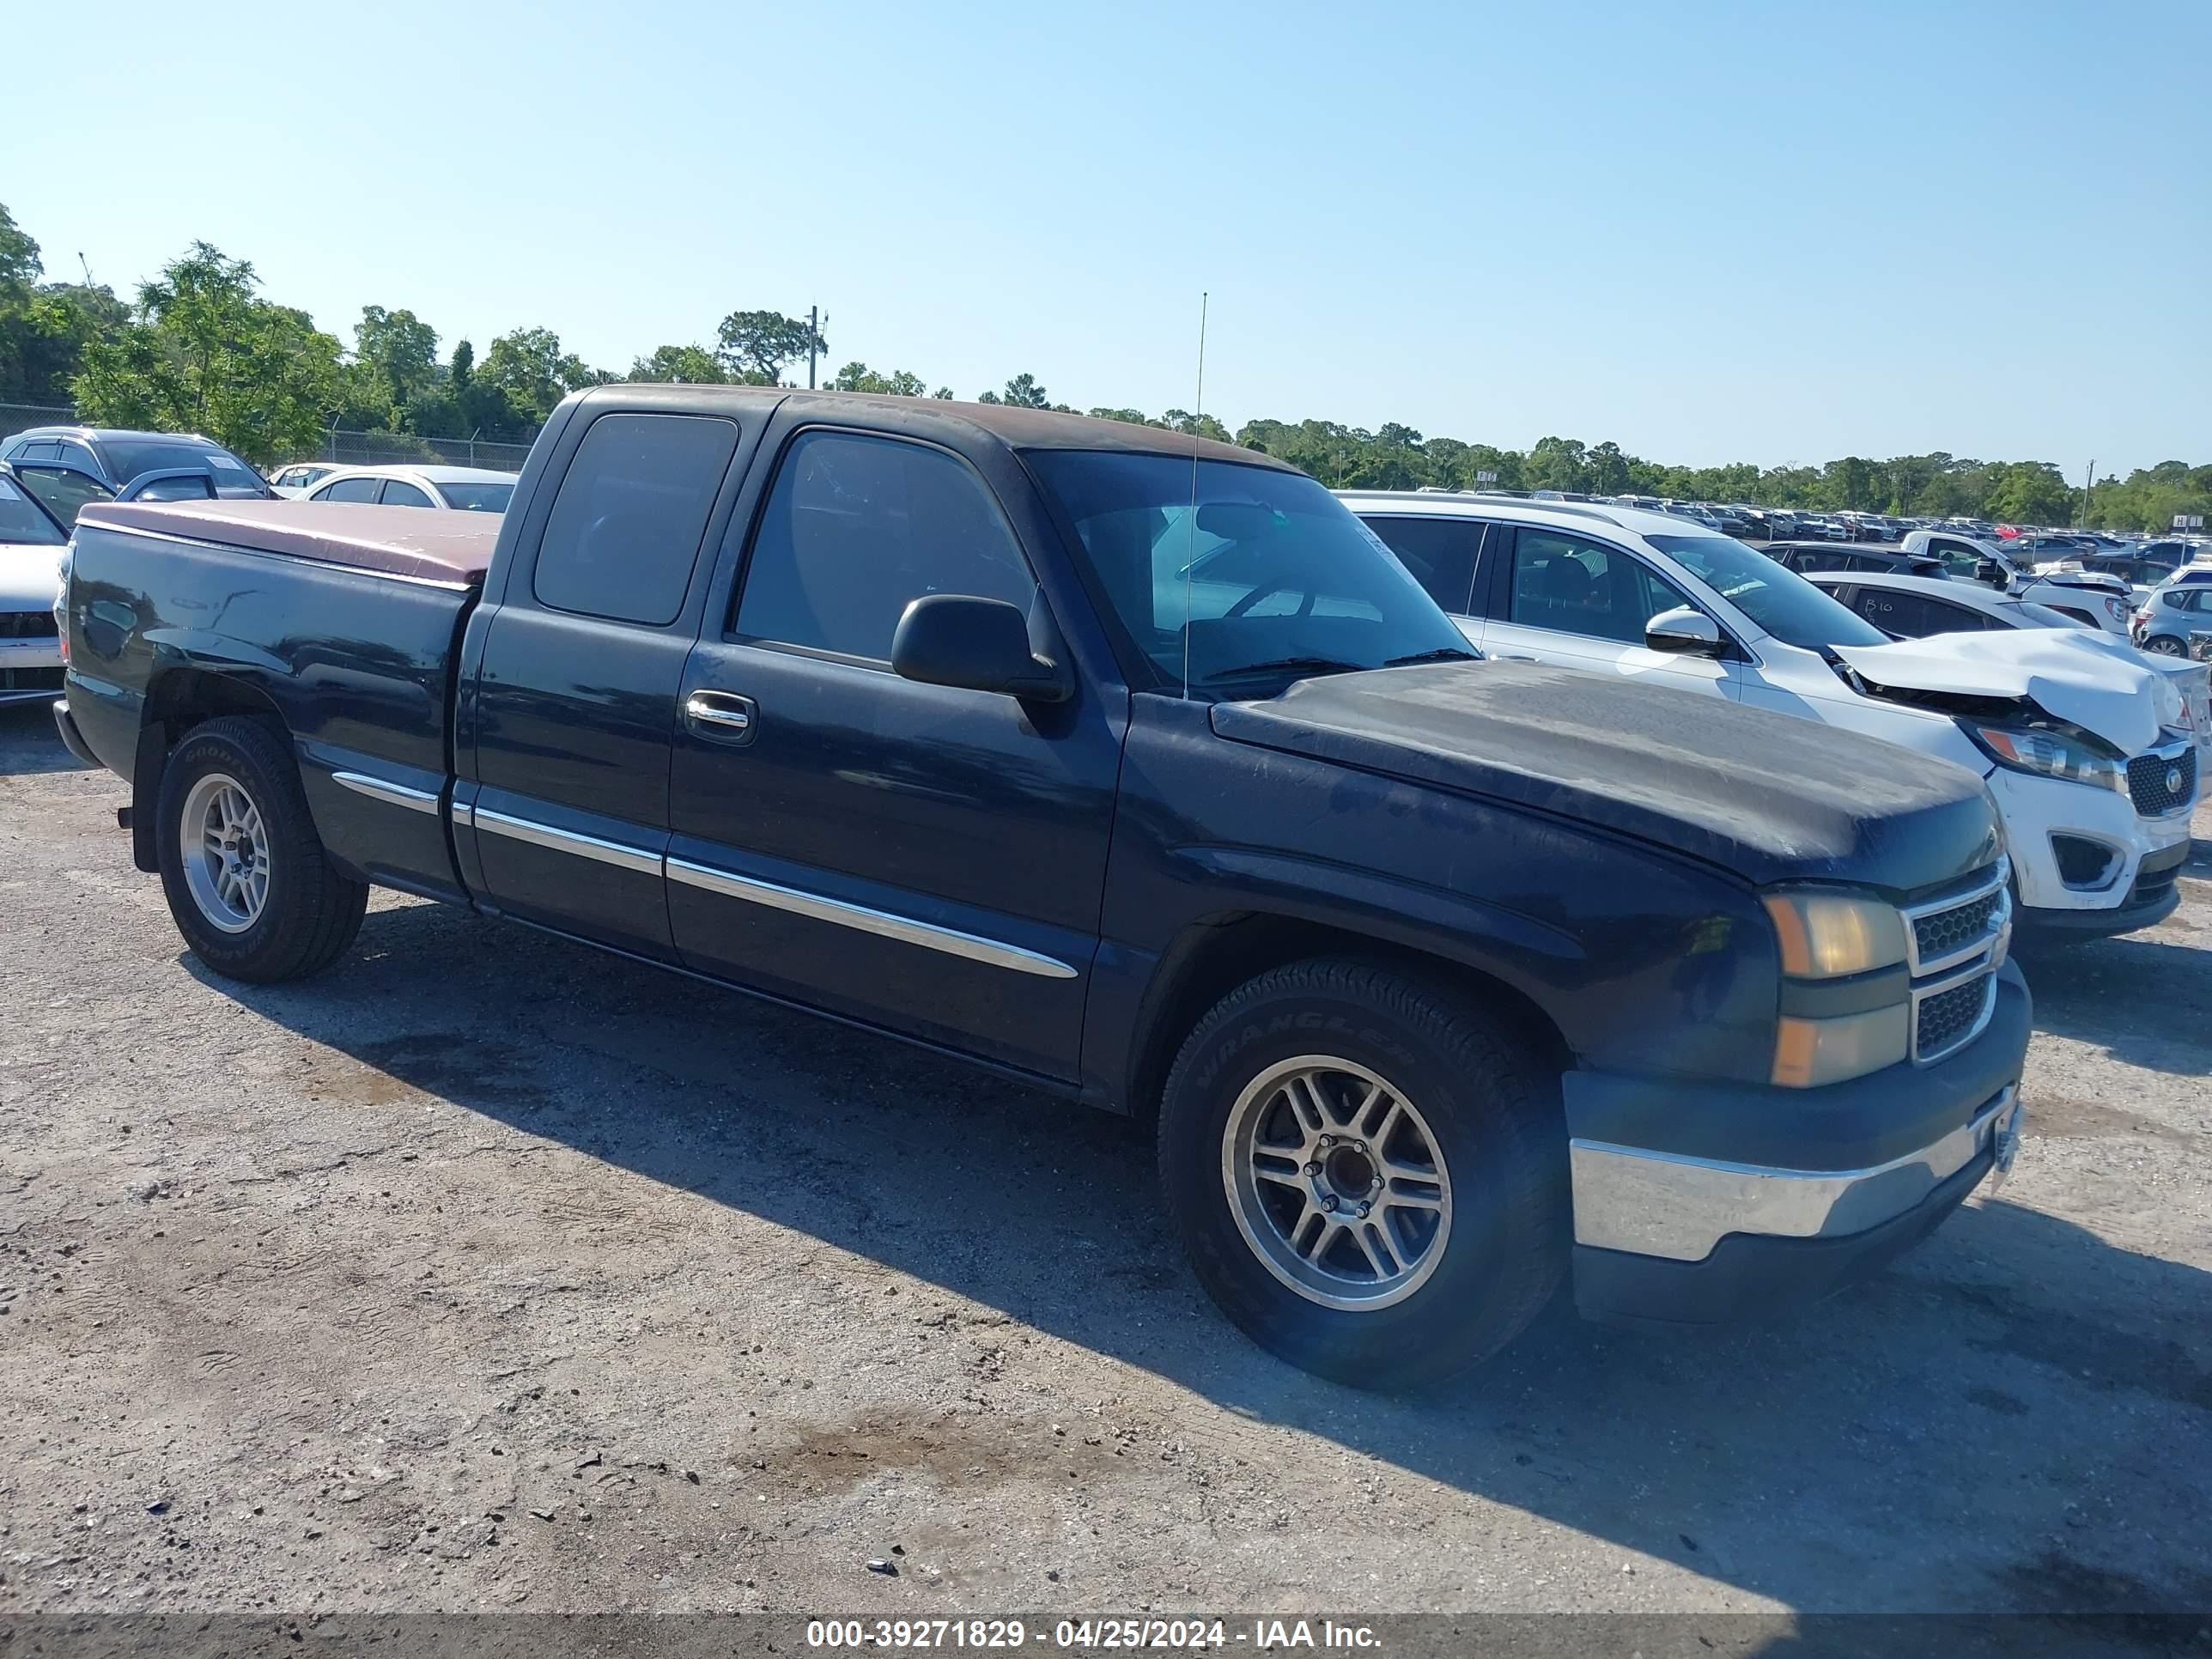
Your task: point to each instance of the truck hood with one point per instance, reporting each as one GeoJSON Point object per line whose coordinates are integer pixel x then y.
{"type": "Point", "coordinates": [30, 576]}
{"type": "Point", "coordinates": [1770, 796]}
{"type": "Point", "coordinates": [2096, 681]}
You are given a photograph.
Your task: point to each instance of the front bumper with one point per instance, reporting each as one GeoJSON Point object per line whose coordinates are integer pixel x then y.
{"type": "Point", "coordinates": [30, 670]}
{"type": "Point", "coordinates": [1706, 1203]}
{"type": "Point", "coordinates": [2136, 850]}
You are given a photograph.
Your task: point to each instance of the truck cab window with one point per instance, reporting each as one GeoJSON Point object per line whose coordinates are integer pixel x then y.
{"type": "Point", "coordinates": [625, 529]}
{"type": "Point", "coordinates": [856, 528]}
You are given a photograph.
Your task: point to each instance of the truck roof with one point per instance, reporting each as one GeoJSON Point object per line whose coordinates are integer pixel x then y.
{"type": "Point", "coordinates": [453, 547]}
{"type": "Point", "coordinates": [1015, 426]}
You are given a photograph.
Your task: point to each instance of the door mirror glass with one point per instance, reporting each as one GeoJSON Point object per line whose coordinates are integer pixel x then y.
{"type": "Point", "coordinates": [1989, 571]}
{"type": "Point", "coordinates": [979, 645]}
{"type": "Point", "coordinates": [1684, 629]}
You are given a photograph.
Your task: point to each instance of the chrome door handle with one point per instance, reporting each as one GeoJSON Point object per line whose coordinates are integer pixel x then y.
{"type": "Point", "coordinates": [722, 715]}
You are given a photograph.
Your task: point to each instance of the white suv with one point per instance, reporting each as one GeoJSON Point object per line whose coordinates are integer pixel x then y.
{"type": "Point", "coordinates": [2080, 740]}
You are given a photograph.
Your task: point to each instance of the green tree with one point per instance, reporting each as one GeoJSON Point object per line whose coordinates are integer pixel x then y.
{"type": "Point", "coordinates": [755, 346]}
{"type": "Point", "coordinates": [44, 327]}
{"type": "Point", "coordinates": [859, 377]}
{"type": "Point", "coordinates": [2029, 492]}
{"type": "Point", "coordinates": [1022, 391]}
{"type": "Point", "coordinates": [685, 365]}
{"type": "Point", "coordinates": [396, 354]}
{"type": "Point", "coordinates": [530, 367]}
{"type": "Point", "coordinates": [202, 352]}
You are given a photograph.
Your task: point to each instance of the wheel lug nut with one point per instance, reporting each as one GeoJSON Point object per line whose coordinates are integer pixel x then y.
{"type": "Point", "coordinates": [1328, 1140]}
{"type": "Point", "coordinates": [1330, 1202]}
{"type": "Point", "coordinates": [1313, 1169]}
{"type": "Point", "coordinates": [1376, 1185]}
{"type": "Point", "coordinates": [1365, 1207]}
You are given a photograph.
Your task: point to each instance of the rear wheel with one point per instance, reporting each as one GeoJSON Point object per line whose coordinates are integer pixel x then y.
{"type": "Point", "coordinates": [2162, 645]}
{"type": "Point", "coordinates": [1370, 1178]}
{"type": "Point", "coordinates": [247, 878]}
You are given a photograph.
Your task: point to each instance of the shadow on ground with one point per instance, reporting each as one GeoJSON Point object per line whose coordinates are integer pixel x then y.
{"type": "Point", "coordinates": [1956, 1433]}
{"type": "Point", "coordinates": [2139, 1000]}
{"type": "Point", "coordinates": [28, 742]}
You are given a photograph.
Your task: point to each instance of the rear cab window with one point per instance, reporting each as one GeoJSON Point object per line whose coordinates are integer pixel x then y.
{"type": "Point", "coordinates": [624, 533]}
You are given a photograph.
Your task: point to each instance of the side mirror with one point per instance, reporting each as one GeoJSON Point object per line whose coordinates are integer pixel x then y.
{"type": "Point", "coordinates": [979, 645]}
{"type": "Point", "coordinates": [1686, 631]}
{"type": "Point", "coordinates": [1989, 571]}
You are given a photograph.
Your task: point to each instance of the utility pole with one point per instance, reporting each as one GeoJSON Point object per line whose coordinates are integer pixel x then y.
{"type": "Point", "coordinates": [814, 321]}
{"type": "Point", "coordinates": [2089, 483]}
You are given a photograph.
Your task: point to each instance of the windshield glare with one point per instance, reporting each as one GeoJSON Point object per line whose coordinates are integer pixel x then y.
{"type": "Point", "coordinates": [1270, 578]}
{"type": "Point", "coordinates": [477, 497]}
{"type": "Point", "coordinates": [1775, 597]}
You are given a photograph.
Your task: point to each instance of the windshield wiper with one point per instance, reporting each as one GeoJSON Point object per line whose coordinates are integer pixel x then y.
{"type": "Point", "coordinates": [1290, 665]}
{"type": "Point", "coordinates": [1443, 653]}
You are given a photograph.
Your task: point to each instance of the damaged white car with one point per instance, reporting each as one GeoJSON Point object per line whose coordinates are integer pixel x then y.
{"type": "Point", "coordinates": [31, 543]}
{"type": "Point", "coordinates": [2084, 745]}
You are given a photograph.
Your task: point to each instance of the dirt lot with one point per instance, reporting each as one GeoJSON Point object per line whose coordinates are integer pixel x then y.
{"type": "Point", "coordinates": [486, 1271]}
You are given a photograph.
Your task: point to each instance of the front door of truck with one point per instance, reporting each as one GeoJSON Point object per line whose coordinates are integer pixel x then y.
{"type": "Point", "coordinates": [564, 799]}
{"type": "Point", "coordinates": [921, 856]}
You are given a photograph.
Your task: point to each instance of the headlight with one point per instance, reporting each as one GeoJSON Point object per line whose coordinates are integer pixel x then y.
{"type": "Point", "coordinates": [2074, 756]}
{"type": "Point", "coordinates": [1827, 935]}
{"type": "Point", "coordinates": [1808, 1052]}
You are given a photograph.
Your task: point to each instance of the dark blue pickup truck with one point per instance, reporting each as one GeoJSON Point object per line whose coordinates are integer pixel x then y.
{"type": "Point", "coordinates": [1131, 766]}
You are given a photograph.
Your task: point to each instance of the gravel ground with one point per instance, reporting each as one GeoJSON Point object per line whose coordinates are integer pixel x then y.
{"type": "Point", "coordinates": [485, 1271]}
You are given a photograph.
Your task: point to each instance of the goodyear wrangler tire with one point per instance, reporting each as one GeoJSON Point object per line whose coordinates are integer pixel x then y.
{"type": "Point", "coordinates": [1370, 1178]}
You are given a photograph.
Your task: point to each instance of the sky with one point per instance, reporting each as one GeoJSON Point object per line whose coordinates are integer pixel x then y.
{"type": "Point", "coordinates": [1708, 233]}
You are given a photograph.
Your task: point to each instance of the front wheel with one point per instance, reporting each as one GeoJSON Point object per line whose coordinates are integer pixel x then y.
{"type": "Point", "coordinates": [246, 875]}
{"type": "Point", "coordinates": [1370, 1178]}
{"type": "Point", "coordinates": [2162, 645]}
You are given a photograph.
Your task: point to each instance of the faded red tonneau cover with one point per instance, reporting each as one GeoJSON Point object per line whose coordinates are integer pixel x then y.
{"type": "Point", "coordinates": [424, 543]}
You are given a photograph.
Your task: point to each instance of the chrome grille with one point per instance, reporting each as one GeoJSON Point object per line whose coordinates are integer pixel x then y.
{"type": "Point", "coordinates": [1943, 1020]}
{"type": "Point", "coordinates": [1954, 947]}
{"type": "Point", "coordinates": [2160, 783]}
{"type": "Point", "coordinates": [1941, 934]}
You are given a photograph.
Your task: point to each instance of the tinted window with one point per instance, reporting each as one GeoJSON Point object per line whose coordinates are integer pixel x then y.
{"type": "Point", "coordinates": [1270, 578]}
{"type": "Point", "coordinates": [856, 528]}
{"type": "Point", "coordinates": [63, 492]}
{"type": "Point", "coordinates": [1577, 586]}
{"type": "Point", "coordinates": [1780, 601]}
{"type": "Point", "coordinates": [625, 530]}
{"type": "Point", "coordinates": [350, 490]}
{"type": "Point", "coordinates": [128, 459]}
{"type": "Point", "coordinates": [22, 520]}
{"type": "Point", "coordinates": [39, 450]}
{"type": "Point", "coordinates": [398, 493]}
{"type": "Point", "coordinates": [1440, 552]}
{"type": "Point", "coordinates": [478, 498]}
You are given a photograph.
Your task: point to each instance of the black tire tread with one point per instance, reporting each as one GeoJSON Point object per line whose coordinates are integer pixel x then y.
{"type": "Point", "coordinates": [317, 909]}
{"type": "Point", "coordinates": [1517, 1084]}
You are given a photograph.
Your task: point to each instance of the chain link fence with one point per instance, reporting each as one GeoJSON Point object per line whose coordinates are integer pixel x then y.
{"type": "Point", "coordinates": [344, 447]}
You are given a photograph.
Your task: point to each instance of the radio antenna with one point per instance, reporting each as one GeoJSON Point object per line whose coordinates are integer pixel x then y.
{"type": "Point", "coordinates": [1190, 525]}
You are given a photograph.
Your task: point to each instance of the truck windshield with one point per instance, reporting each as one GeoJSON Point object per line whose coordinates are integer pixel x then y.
{"type": "Point", "coordinates": [1267, 577]}
{"type": "Point", "coordinates": [1772, 595]}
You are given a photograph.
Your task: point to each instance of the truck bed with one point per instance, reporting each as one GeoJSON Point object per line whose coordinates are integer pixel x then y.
{"type": "Point", "coordinates": [343, 620]}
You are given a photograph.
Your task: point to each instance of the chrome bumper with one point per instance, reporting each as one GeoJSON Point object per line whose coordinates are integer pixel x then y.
{"type": "Point", "coordinates": [1648, 1203]}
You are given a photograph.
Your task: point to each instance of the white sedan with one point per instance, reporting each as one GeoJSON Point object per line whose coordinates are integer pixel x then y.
{"type": "Point", "coordinates": [31, 543]}
{"type": "Point", "coordinates": [464, 488]}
